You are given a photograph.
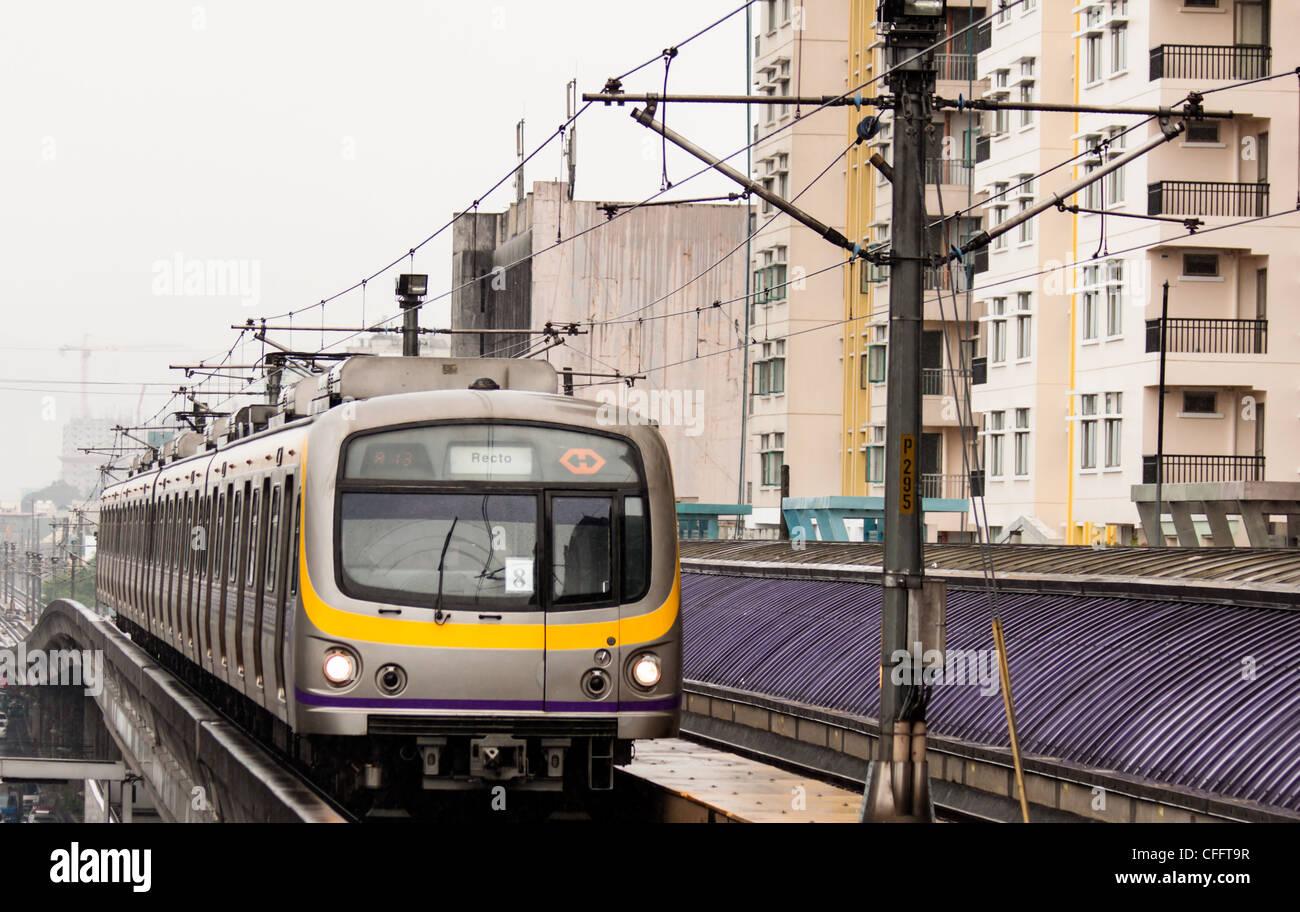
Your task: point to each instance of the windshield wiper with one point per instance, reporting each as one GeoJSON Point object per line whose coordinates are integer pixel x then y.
{"type": "Point", "coordinates": [438, 616]}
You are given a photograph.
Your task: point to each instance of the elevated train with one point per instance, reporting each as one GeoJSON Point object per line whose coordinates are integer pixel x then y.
{"type": "Point", "coordinates": [413, 574]}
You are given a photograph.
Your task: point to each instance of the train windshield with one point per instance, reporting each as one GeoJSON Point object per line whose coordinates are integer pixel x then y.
{"type": "Point", "coordinates": [499, 516]}
{"type": "Point", "coordinates": [464, 546]}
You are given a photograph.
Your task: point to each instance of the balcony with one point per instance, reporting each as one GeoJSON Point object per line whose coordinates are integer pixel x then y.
{"type": "Point", "coordinates": [1223, 198]}
{"type": "Point", "coordinates": [1187, 469]}
{"type": "Point", "coordinates": [952, 171]}
{"type": "Point", "coordinates": [943, 381]}
{"type": "Point", "coordinates": [948, 487]}
{"type": "Point", "coordinates": [956, 67]}
{"type": "Point", "coordinates": [1209, 61]}
{"type": "Point", "coordinates": [946, 278]}
{"type": "Point", "coordinates": [1210, 336]}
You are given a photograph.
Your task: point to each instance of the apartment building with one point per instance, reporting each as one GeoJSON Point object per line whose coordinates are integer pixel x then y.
{"type": "Point", "coordinates": [793, 404]}
{"type": "Point", "coordinates": [634, 284]}
{"type": "Point", "coordinates": [951, 314]}
{"type": "Point", "coordinates": [1070, 306]}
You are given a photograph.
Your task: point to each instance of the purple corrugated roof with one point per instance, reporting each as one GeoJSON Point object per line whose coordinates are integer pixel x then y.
{"type": "Point", "coordinates": [1200, 695]}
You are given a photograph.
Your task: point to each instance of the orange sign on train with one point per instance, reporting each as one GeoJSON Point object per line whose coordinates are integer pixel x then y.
{"type": "Point", "coordinates": [582, 461]}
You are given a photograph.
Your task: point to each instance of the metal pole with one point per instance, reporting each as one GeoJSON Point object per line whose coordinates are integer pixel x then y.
{"type": "Point", "coordinates": [897, 784]}
{"type": "Point", "coordinates": [646, 119]}
{"type": "Point", "coordinates": [749, 230]}
{"type": "Point", "coordinates": [1160, 423]}
{"type": "Point", "coordinates": [410, 326]}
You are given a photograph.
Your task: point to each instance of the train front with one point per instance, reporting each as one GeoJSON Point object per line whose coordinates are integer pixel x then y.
{"type": "Point", "coordinates": [488, 597]}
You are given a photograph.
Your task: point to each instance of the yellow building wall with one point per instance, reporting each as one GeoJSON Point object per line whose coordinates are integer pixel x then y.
{"type": "Point", "coordinates": [860, 195]}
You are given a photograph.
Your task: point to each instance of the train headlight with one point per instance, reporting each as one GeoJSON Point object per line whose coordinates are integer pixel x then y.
{"type": "Point", "coordinates": [340, 668]}
{"type": "Point", "coordinates": [646, 671]}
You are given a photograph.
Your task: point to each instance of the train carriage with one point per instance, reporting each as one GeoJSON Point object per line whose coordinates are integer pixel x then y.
{"type": "Point", "coordinates": [415, 573]}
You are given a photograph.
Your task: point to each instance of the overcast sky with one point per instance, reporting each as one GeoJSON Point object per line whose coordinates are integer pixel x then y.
{"type": "Point", "coordinates": [145, 144]}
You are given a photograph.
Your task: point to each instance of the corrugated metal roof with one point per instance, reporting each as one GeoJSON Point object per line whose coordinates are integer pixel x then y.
{"type": "Point", "coordinates": [1199, 695]}
{"type": "Point", "coordinates": [1278, 566]}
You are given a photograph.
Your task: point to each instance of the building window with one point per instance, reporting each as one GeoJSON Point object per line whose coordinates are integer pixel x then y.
{"type": "Point", "coordinates": [1115, 180]}
{"type": "Point", "coordinates": [1026, 228]}
{"type": "Point", "coordinates": [1114, 407]}
{"type": "Point", "coordinates": [1199, 403]}
{"type": "Point", "coordinates": [1203, 131]}
{"type": "Point", "coordinates": [1024, 328]}
{"type": "Point", "coordinates": [769, 373]}
{"type": "Point", "coordinates": [875, 364]}
{"type": "Point", "coordinates": [1026, 97]}
{"type": "Point", "coordinates": [1089, 316]}
{"type": "Point", "coordinates": [1093, 57]}
{"type": "Point", "coordinates": [1202, 265]}
{"type": "Point", "coordinates": [996, 427]}
{"type": "Point", "coordinates": [1022, 442]}
{"type": "Point", "coordinates": [997, 341]}
{"type": "Point", "coordinates": [772, 447]}
{"type": "Point", "coordinates": [1088, 432]}
{"type": "Point", "coordinates": [876, 456]}
{"type": "Point", "coordinates": [1114, 297]}
{"type": "Point", "coordinates": [1118, 48]}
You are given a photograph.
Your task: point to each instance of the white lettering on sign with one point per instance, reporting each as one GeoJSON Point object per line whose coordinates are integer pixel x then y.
{"type": "Point", "coordinates": [511, 461]}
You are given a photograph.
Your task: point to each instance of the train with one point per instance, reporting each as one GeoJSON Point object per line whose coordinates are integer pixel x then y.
{"type": "Point", "coordinates": [412, 574]}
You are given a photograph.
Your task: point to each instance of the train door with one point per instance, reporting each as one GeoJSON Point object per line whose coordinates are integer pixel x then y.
{"type": "Point", "coordinates": [268, 607]}
{"type": "Point", "coordinates": [248, 589]}
{"type": "Point", "coordinates": [216, 579]}
{"type": "Point", "coordinates": [581, 589]}
{"type": "Point", "coordinates": [230, 580]}
{"type": "Point", "coordinates": [254, 582]}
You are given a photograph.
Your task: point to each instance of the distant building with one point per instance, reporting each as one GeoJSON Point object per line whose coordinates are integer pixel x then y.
{"type": "Point", "coordinates": [81, 470]}
{"type": "Point", "coordinates": [615, 277]}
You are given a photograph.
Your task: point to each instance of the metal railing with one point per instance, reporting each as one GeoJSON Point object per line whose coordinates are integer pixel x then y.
{"type": "Point", "coordinates": [1192, 335]}
{"type": "Point", "coordinates": [946, 278]}
{"type": "Point", "coordinates": [1210, 61]}
{"type": "Point", "coordinates": [1249, 200]}
{"type": "Point", "coordinates": [943, 381]}
{"type": "Point", "coordinates": [954, 171]}
{"type": "Point", "coordinates": [956, 67]}
{"type": "Point", "coordinates": [1188, 469]}
{"type": "Point", "coordinates": [953, 487]}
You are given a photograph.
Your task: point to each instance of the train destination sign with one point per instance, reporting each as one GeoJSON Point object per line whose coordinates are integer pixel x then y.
{"type": "Point", "coordinates": [482, 459]}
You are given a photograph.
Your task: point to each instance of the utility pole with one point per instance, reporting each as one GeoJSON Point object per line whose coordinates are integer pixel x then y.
{"type": "Point", "coordinates": [898, 784]}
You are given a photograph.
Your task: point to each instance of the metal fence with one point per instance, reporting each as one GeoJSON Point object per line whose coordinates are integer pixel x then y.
{"type": "Point", "coordinates": [1188, 469]}
{"type": "Point", "coordinates": [948, 171]}
{"type": "Point", "coordinates": [943, 381]}
{"type": "Point", "coordinates": [953, 487]}
{"type": "Point", "coordinates": [1248, 200]}
{"type": "Point", "coordinates": [1210, 61]}
{"type": "Point", "coordinates": [1190, 334]}
{"type": "Point", "coordinates": [956, 67]}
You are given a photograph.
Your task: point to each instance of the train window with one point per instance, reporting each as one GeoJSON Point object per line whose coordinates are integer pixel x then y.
{"type": "Point", "coordinates": [254, 527]}
{"type": "Point", "coordinates": [205, 507]}
{"type": "Point", "coordinates": [295, 520]}
{"type": "Point", "coordinates": [232, 548]}
{"type": "Point", "coordinates": [491, 452]}
{"type": "Point", "coordinates": [273, 540]}
{"type": "Point", "coordinates": [636, 559]}
{"type": "Point", "coordinates": [218, 537]}
{"type": "Point", "coordinates": [581, 541]}
{"type": "Point", "coordinates": [186, 537]}
{"type": "Point", "coordinates": [421, 547]}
